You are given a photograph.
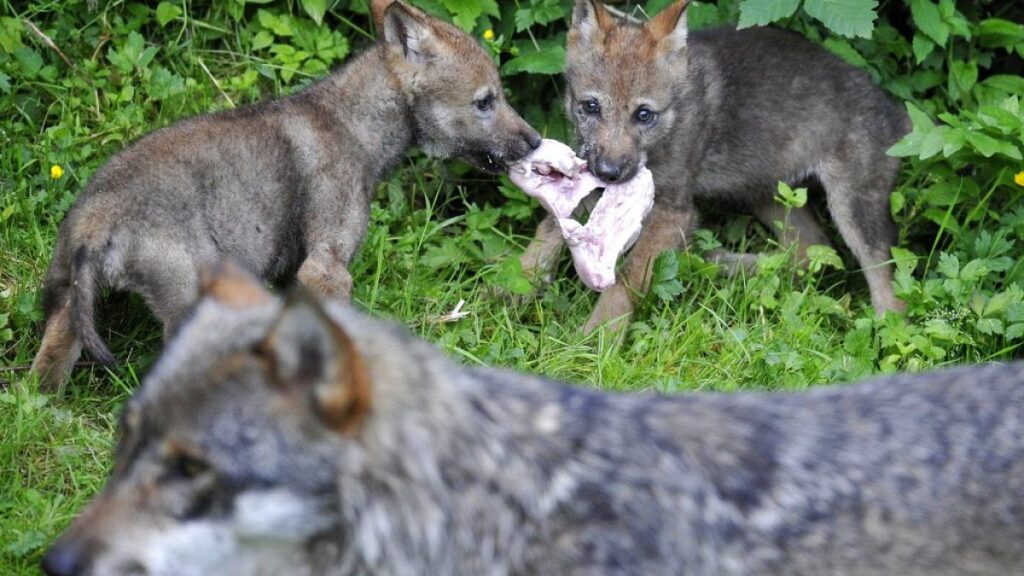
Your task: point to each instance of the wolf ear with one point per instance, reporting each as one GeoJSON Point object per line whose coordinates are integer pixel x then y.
{"type": "Point", "coordinates": [591, 20]}
{"type": "Point", "coordinates": [310, 355]}
{"type": "Point", "coordinates": [231, 285]}
{"type": "Point", "coordinates": [669, 27]}
{"type": "Point", "coordinates": [377, 8]}
{"type": "Point", "coordinates": [406, 30]}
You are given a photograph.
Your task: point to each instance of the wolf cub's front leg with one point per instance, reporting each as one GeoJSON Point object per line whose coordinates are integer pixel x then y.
{"type": "Point", "coordinates": [325, 272]}
{"type": "Point", "coordinates": [334, 233]}
{"type": "Point", "coordinates": [667, 228]}
{"type": "Point", "coordinates": [541, 256]}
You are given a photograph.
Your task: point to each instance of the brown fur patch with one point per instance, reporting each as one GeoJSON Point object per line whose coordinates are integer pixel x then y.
{"type": "Point", "coordinates": [231, 285]}
{"type": "Point", "coordinates": [377, 8]}
{"type": "Point", "coordinates": [345, 405]}
{"type": "Point", "coordinates": [59, 351]}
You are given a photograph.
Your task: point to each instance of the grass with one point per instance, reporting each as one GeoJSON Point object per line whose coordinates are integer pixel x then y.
{"type": "Point", "coordinates": [440, 234]}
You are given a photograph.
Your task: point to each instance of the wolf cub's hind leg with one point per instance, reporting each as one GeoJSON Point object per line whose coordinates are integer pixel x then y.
{"type": "Point", "coordinates": [858, 199]}
{"type": "Point", "coordinates": [59, 351]}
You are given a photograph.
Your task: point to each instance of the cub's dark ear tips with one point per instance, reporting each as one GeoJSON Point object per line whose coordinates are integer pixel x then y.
{"type": "Point", "coordinates": [231, 285]}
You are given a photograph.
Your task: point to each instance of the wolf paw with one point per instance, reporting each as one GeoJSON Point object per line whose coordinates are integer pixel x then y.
{"type": "Point", "coordinates": [613, 312]}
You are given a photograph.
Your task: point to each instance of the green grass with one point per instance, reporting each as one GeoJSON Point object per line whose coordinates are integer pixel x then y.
{"type": "Point", "coordinates": [439, 234]}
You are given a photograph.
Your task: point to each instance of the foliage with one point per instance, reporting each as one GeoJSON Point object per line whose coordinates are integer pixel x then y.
{"type": "Point", "coordinates": [79, 82]}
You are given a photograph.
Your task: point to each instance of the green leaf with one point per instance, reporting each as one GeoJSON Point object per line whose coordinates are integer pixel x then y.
{"type": "Point", "coordinates": [315, 9]}
{"type": "Point", "coordinates": [1015, 331]}
{"type": "Point", "coordinates": [665, 283]}
{"type": "Point", "coordinates": [923, 47]}
{"type": "Point", "coordinates": [905, 259]}
{"type": "Point", "coordinates": [999, 33]}
{"type": "Point", "coordinates": [167, 11]}
{"type": "Point", "coordinates": [989, 326]}
{"type": "Point", "coordinates": [29, 60]}
{"type": "Point", "coordinates": [974, 270]}
{"type": "Point", "coordinates": [929, 20]}
{"type": "Point", "coordinates": [547, 61]}
{"type": "Point", "coordinates": [999, 302]}
{"type": "Point", "coordinates": [933, 142]}
{"type": "Point", "coordinates": [761, 12]}
{"type": "Point", "coordinates": [5, 83]}
{"type": "Point", "coordinates": [844, 17]}
{"type": "Point", "coordinates": [820, 256]}
{"type": "Point", "coordinates": [964, 74]}
{"type": "Point", "coordinates": [262, 39]}
{"type": "Point", "coordinates": [896, 202]}
{"type": "Point", "coordinates": [540, 12]}
{"type": "Point", "coordinates": [847, 52]}
{"type": "Point", "coordinates": [790, 197]}
{"type": "Point", "coordinates": [949, 265]}
{"type": "Point", "coordinates": [164, 84]}
{"type": "Point", "coordinates": [1005, 82]}
{"type": "Point", "coordinates": [466, 12]}
{"type": "Point", "coordinates": [920, 120]}
{"type": "Point", "coordinates": [988, 146]}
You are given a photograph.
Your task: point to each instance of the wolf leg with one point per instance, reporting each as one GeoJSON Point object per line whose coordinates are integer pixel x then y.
{"type": "Point", "coordinates": [666, 229]}
{"type": "Point", "coordinates": [325, 272]}
{"type": "Point", "coordinates": [541, 256]}
{"type": "Point", "coordinates": [858, 200]}
{"type": "Point", "coordinates": [60, 350]}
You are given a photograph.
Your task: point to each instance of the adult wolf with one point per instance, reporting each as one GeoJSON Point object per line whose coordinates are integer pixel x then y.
{"type": "Point", "coordinates": [307, 439]}
{"type": "Point", "coordinates": [278, 186]}
{"type": "Point", "coordinates": [723, 115]}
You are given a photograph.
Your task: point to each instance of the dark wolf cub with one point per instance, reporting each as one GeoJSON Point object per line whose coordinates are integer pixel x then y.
{"type": "Point", "coordinates": [281, 186]}
{"type": "Point", "coordinates": [723, 115]}
{"type": "Point", "coordinates": [307, 439]}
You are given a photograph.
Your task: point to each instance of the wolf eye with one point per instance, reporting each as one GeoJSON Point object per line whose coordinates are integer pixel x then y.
{"type": "Point", "coordinates": [645, 115]}
{"type": "Point", "coordinates": [188, 467]}
{"type": "Point", "coordinates": [591, 107]}
{"type": "Point", "coordinates": [484, 104]}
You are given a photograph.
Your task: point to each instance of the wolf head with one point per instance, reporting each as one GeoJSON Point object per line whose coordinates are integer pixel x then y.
{"type": "Point", "coordinates": [623, 81]}
{"type": "Point", "coordinates": [453, 88]}
{"type": "Point", "coordinates": [232, 452]}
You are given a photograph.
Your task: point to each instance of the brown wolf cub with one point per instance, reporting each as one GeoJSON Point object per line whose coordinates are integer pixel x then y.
{"type": "Point", "coordinates": [280, 186]}
{"type": "Point", "coordinates": [307, 439]}
{"type": "Point", "coordinates": [723, 115]}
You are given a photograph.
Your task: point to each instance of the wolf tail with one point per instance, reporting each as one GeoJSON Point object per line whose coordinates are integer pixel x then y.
{"type": "Point", "coordinates": [83, 297]}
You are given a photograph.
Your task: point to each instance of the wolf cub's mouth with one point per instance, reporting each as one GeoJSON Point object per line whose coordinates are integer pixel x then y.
{"type": "Point", "coordinates": [491, 163]}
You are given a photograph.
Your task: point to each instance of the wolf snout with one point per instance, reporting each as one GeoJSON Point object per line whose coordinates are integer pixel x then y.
{"type": "Point", "coordinates": [608, 171]}
{"type": "Point", "coordinates": [614, 172]}
{"type": "Point", "coordinates": [525, 142]}
{"type": "Point", "coordinates": [67, 558]}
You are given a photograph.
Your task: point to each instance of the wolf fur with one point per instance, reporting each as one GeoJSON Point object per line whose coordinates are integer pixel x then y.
{"type": "Point", "coordinates": [306, 438]}
{"type": "Point", "coordinates": [723, 115]}
{"type": "Point", "coordinates": [282, 186]}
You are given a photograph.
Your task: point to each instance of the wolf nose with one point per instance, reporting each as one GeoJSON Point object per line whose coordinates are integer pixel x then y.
{"type": "Point", "coordinates": [607, 171]}
{"type": "Point", "coordinates": [63, 560]}
{"type": "Point", "coordinates": [533, 139]}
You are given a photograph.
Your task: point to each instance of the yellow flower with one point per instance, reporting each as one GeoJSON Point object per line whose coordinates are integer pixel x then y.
{"type": "Point", "coordinates": [1019, 178]}
{"type": "Point", "coordinates": [488, 34]}
{"type": "Point", "coordinates": [56, 171]}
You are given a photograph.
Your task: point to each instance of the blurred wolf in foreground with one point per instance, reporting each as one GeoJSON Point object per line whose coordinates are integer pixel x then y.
{"type": "Point", "coordinates": [307, 439]}
{"type": "Point", "coordinates": [282, 187]}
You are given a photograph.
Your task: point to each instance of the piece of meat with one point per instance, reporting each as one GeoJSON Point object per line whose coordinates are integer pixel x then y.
{"type": "Point", "coordinates": [560, 181]}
